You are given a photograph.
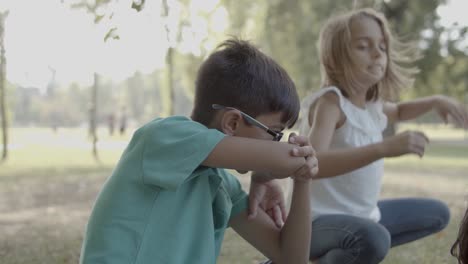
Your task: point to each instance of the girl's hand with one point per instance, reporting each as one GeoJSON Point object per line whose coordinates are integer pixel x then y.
{"type": "Point", "coordinates": [408, 142]}
{"type": "Point", "coordinates": [310, 168]}
{"type": "Point", "coordinates": [448, 107]}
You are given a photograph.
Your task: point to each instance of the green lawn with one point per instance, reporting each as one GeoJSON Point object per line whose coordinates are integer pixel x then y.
{"type": "Point", "coordinates": [49, 183]}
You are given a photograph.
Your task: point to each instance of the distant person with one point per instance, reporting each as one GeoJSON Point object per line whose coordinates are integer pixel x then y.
{"type": "Point", "coordinates": [111, 123]}
{"type": "Point", "coordinates": [344, 120]}
{"type": "Point", "coordinates": [123, 121]}
{"type": "Point", "coordinates": [170, 200]}
{"type": "Point", "coordinates": [54, 119]}
{"type": "Point", "coordinates": [460, 247]}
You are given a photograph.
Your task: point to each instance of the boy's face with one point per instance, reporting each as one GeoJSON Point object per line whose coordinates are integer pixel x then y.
{"type": "Point", "coordinates": [272, 121]}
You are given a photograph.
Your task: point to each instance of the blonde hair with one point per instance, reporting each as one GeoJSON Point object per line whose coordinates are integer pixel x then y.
{"type": "Point", "coordinates": [336, 63]}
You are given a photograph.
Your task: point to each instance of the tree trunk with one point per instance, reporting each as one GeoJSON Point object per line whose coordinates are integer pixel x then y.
{"type": "Point", "coordinates": [3, 108]}
{"type": "Point", "coordinates": [466, 104]}
{"type": "Point", "coordinates": [169, 104]}
{"type": "Point", "coordinates": [170, 80]}
{"type": "Point", "coordinates": [93, 116]}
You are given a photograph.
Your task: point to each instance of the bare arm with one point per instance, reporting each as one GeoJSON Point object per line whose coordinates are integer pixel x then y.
{"type": "Point", "coordinates": [445, 106]}
{"type": "Point", "coordinates": [408, 110]}
{"type": "Point", "coordinates": [325, 119]}
{"type": "Point", "coordinates": [348, 160]}
{"type": "Point", "coordinates": [247, 154]}
{"type": "Point", "coordinates": [291, 244]}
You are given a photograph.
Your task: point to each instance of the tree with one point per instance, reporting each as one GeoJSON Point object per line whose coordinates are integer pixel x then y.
{"type": "Point", "coordinates": [3, 108]}
{"type": "Point", "coordinates": [169, 60]}
{"type": "Point", "coordinates": [94, 9]}
{"type": "Point", "coordinates": [93, 115]}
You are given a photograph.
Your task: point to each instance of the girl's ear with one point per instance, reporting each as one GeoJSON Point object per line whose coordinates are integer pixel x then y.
{"type": "Point", "coordinates": [230, 122]}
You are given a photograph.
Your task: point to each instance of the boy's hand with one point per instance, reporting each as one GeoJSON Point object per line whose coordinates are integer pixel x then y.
{"type": "Point", "coordinates": [310, 169]}
{"type": "Point", "coordinates": [267, 195]}
{"type": "Point", "coordinates": [405, 143]}
{"type": "Point", "coordinates": [448, 107]}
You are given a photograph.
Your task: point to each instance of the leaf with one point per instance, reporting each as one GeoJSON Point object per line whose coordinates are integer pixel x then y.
{"type": "Point", "coordinates": [112, 34]}
{"type": "Point", "coordinates": [98, 18]}
{"type": "Point", "coordinates": [138, 5]}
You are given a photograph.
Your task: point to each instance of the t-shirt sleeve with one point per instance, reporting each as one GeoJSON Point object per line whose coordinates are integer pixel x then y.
{"type": "Point", "coordinates": [174, 148]}
{"type": "Point", "coordinates": [239, 198]}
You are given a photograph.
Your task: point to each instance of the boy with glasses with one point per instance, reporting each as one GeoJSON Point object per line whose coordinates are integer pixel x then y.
{"type": "Point", "coordinates": [169, 200]}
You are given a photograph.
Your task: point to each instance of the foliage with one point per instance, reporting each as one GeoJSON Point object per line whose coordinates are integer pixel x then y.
{"type": "Point", "coordinates": [287, 30]}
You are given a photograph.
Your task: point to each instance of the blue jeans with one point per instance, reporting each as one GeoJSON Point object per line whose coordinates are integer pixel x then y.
{"type": "Point", "coordinates": [345, 239]}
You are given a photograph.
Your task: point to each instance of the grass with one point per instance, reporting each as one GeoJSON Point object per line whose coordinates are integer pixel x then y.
{"type": "Point", "coordinates": [49, 183]}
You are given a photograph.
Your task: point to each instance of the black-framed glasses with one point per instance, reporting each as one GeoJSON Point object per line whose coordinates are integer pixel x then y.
{"type": "Point", "coordinates": [277, 135]}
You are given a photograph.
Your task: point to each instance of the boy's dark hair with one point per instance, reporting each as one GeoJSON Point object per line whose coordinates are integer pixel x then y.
{"type": "Point", "coordinates": [241, 76]}
{"type": "Point", "coordinates": [460, 247]}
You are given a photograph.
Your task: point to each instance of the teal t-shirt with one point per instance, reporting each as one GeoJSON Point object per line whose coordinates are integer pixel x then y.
{"type": "Point", "coordinates": [160, 205]}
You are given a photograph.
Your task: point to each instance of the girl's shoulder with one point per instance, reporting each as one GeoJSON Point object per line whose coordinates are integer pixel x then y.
{"type": "Point", "coordinates": [328, 97]}
{"type": "Point", "coordinates": [325, 104]}
{"type": "Point", "coordinates": [331, 95]}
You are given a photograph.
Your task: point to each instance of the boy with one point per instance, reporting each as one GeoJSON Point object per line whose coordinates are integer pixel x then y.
{"type": "Point", "coordinates": [169, 201]}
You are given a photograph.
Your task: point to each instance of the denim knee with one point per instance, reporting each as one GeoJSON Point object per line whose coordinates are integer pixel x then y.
{"type": "Point", "coordinates": [443, 215]}
{"type": "Point", "coordinates": [374, 243]}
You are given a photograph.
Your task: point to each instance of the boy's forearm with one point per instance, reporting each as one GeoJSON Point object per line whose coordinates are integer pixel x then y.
{"type": "Point", "coordinates": [296, 232]}
{"type": "Point", "coordinates": [246, 154]}
{"type": "Point", "coordinates": [415, 108]}
{"type": "Point", "coordinates": [264, 177]}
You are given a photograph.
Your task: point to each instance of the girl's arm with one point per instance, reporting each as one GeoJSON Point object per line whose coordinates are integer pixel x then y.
{"type": "Point", "coordinates": [325, 119]}
{"type": "Point", "coordinates": [248, 154]}
{"type": "Point", "coordinates": [291, 244]}
{"type": "Point", "coordinates": [445, 106]}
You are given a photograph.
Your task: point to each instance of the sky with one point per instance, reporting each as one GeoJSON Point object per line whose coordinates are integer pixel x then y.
{"type": "Point", "coordinates": [46, 36]}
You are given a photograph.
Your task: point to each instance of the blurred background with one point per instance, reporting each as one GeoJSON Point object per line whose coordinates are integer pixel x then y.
{"type": "Point", "coordinates": [78, 76]}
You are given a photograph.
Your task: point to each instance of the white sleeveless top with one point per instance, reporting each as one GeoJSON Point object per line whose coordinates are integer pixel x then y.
{"type": "Point", "coordinates": [357, 192]}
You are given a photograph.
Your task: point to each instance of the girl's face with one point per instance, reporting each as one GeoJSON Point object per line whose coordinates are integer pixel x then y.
{"type": "Point", "coordinates": [368, 51]}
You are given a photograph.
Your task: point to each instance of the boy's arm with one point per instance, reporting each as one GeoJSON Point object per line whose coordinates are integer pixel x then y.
{"type": "Point", "coordinates": [267, 195]}
{"type": "Point", "coordinates": [247, 154]}
{"type": "Point", "coordinates": [291, 244]}
{"type": "Point", "coordinates": [445, 106]}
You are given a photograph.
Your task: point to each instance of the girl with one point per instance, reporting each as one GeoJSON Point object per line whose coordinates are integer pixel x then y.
{"type": "Point", "coordinates": [344, 120]}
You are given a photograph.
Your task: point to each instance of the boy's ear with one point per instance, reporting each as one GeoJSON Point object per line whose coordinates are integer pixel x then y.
{"type": "Point", "coordinates": [230, 122]}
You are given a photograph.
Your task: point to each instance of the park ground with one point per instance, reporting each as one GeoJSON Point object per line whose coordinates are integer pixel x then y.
{"type": "Point", "coordinates": [50, 181]}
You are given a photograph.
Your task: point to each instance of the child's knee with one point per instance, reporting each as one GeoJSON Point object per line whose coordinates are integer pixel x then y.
{"type": "Point", "coordinates": [374, 244]}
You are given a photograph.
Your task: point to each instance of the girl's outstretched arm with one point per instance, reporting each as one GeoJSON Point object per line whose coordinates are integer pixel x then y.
{"type": "Point", "coordinates": [445, 106]}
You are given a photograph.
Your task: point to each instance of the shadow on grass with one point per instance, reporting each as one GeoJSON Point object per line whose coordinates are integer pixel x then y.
{"type": "Point", "coordinates": [52, 171]}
